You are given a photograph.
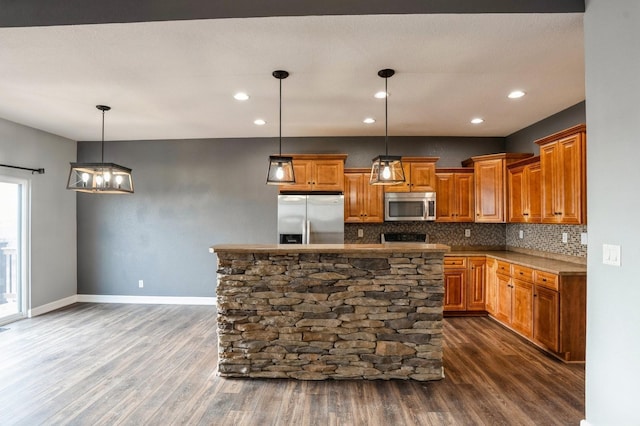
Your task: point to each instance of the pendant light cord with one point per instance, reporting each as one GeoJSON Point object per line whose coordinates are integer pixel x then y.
{"type": "Point", "coordinates": [386, 119]}
{"type": "Point", "coordinates": [280, 119]}
{"type": "Point", "coordinates": [102, 136]}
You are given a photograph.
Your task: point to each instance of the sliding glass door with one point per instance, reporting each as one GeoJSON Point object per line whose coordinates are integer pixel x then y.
{"type": "Point", "coordinates": [12, 249]}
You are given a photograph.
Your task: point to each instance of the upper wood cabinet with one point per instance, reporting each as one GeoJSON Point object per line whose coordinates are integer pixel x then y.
{"type": "Point", "coordinates": [563, 168]}
{"type": "Point", "coordinates": [362, 202]}
{"type": "Point", "coordinates": [490, 185]}
{"type": "Point", "coordinates": [454, 195]}
{"type": "Point", "coordinates": [317, 172]}
{"type": "Point", "coordinates": [420, 175]}
{"type": "Point", "coordinates": [523, 182]}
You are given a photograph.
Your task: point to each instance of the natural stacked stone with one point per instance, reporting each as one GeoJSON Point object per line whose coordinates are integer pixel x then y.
{"type": "Point", "coordinates": [330, 316]}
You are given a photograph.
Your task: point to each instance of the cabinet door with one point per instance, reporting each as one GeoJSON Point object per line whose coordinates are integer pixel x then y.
{"type": "Point", "coordinates": [491, 286]}
{"type": "Point", "coordinates": [476, 284]}
{"type": "Point", "coordinates": [373, 201]}
{"type": "Point", "coordinates": [545, 318]}
{"type": "Point", "coordinates": [489, 190]}
{"type": "Point", "coordinates": [423, 176]}
{"type": "Point", "coordinates": [549, 158]}
{"type": "Point", "coordinates": [517, 189]}
{"type": "Point", "coordinates": [534, 195]}
{"type": "Point", "coordinates": [570, 187]}
{"type": "Point", "coordinates": [302, 170]}
{"type": "Point", "coordinates": [327, 175]}
{"type": "Point", "coordinates": [454, 289]}
{"type": "Point", "coordinates": [464, 206]}
{"type": "Point", "coordinates": [522, 314]}
{"type": "Point", "coordinates": [503, 298]}
{"type": "Point", "coordinates": [353, 197]}
{"type": "Point", "coordinates": [445, 197]}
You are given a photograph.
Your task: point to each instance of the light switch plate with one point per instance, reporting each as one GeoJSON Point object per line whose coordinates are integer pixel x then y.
{"type": "Point", "coordinates": [611, 254]}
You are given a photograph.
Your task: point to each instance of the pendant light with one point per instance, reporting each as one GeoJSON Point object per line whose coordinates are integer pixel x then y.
{"type": "Point", "coordinates": [386, 169]}
{"type": "Point", "coordinates": [104, 178]}
{"type": "Point", "coordinates": [280, 168]}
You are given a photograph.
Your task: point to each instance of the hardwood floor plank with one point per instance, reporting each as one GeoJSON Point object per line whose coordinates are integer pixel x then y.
{"type": "Point", "coordinates": [103, 364]}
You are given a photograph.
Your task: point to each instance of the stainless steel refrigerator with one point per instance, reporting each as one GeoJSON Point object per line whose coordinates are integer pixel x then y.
{"type": "Point", "coordinates": [310, 219]}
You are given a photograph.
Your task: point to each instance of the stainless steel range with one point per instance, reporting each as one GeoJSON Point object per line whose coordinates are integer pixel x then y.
{"type": "Point", "coordinates": [404, 237]}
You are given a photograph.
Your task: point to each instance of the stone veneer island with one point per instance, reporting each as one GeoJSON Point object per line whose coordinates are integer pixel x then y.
{"type": "Point", "coordinates": [316, 312]}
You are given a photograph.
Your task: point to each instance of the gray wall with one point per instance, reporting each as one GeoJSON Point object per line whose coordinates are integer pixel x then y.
{"type": "Point", "coordinates": [523, 140]}
{"type": "Point", "coordinates": [53, 208]}
{"type": "Point", "coordinates": [613, 121]}
{"type": "Point", "coordinates": [192, 194]}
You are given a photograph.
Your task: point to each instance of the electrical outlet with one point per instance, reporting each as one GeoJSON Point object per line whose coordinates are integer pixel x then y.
{"type": "Point", "coordinates": [360, 233]}
{"type": "Point", "coordinates": [140, 283]}
{"type": "Point", "coordinates": [467, 233]}
{"type": "Point", "coordinates": [565, 237]}
{"type": "Point", "coordinates": [521, 234]}
{"type": "Point", "coordinates": [611, 254]}
{"type": "Point", "coordinates": [583, 238]}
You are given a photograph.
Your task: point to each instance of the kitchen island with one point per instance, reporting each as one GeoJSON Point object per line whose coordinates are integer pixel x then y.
{"type": "Point", "coordinates": [330, 311]}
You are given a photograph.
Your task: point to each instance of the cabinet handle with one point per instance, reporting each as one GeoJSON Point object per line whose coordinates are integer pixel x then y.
{"type": "Point", "coordinates": [544, 280]}
{"type": "Point", "coordinates": [521, 273]}
{"type": "Point", "coordinates": [525, 214]}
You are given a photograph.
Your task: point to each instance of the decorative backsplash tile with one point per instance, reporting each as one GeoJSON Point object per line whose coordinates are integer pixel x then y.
{"type": "Point", "coordinates": [547, 238]}
{"type": "Point", "coordinates": [482, 234]}
{"type": "Point", "coordinates": [544, 238]}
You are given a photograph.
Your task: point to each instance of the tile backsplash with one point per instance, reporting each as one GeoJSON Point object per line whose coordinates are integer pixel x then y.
{"type": "Point", "coordinates": [547, 238]}
{"type": "Point", "coordinates": [543, 238]}
{"type": "Point", "coordinates": [482, 234]}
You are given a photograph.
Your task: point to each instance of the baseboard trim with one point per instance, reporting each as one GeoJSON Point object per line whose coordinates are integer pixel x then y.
{"type": "Point", "coordinates": [147, 300]}
{"type": "Point", "coordinates": [39, 310]}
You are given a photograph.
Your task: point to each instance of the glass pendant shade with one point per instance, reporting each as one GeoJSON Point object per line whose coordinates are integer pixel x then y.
{"type": "Point", "coordinates": [387, 170]}
{"type": "Point", "coordinates": [280, 170]}
{"type": "Point", "coordinates": [105, 178]}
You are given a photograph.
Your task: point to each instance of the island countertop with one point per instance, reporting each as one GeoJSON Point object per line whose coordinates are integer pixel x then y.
{"type": "Point", "coordinates": [330, 248]}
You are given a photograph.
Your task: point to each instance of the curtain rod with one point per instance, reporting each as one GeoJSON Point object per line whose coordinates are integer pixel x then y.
{"type": "Point", "coordinates": [33, 171]}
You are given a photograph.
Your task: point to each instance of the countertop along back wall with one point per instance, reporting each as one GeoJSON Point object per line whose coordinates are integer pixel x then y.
{"type": "Point", "coordinates": [191, 194]}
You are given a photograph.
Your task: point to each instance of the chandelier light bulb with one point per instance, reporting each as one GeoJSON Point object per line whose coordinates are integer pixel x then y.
{"type": "Point", "coordinates": [99, 180]}
{"type": "Point", "coordinates": [279, 172]}
{"type": "Point", "coordinates": [386, 172]}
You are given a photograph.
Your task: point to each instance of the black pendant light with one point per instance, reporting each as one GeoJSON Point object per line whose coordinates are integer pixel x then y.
{"type": "Point", "coordinates": [386, 169]}
{"type": "Point", "coordinates": [103, 178]}
{"type": "Point", "coordinates": [280, 168]}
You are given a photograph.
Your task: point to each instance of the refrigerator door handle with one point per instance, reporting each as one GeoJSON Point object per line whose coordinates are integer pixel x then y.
{"type": "Point", "coordinates": [308, 232]}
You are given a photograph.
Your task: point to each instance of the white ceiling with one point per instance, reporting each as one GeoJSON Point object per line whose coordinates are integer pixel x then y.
{"type": "Point", "coordinates": [176, 79]}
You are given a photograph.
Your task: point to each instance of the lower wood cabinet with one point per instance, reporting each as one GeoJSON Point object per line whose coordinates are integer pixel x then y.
{"type": "Point", "coordinates": [548, 309]}
{"type": "Point", "coordinates": [464, 283]}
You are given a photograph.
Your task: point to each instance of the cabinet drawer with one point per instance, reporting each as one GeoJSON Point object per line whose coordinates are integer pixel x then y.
{"type": "Point", "coordinates": [522, 273]}
{"type": "Point", "coordinates": [504, 268]}
{"type": "Point", "coordinates": [454, 262]}
{"type": "Point", "coordinates": [546, 279]}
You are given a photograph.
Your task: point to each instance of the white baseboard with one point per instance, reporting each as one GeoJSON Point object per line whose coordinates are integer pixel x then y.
{"type": "Point", "coordinates": [584, 423]}
{"type": "Point", "coordinates": [147, 300]}
{"type": "Point", "coordinates": [39, 310]}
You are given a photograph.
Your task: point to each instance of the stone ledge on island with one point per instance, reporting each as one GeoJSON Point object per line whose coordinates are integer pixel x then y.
{"type": "Point", "coordinates": [337, 315]}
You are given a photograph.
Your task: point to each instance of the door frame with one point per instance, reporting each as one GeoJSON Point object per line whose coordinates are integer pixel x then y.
{"type": "Point", "coordinates": [24, 256]}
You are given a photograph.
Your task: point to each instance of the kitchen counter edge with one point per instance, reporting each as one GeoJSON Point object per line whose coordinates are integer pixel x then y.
{"type": "Point", "coordinates": [559, 267]}
{"type": "Point", "coordinates": [330, 248]}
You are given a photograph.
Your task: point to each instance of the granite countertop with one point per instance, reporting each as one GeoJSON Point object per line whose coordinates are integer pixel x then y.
{"type": "Point", "coordinates": [330, 248]}
{"type": "Point", "coordinates": [559, 267]}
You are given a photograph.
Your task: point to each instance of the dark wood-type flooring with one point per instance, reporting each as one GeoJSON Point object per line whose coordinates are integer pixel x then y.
{"type": "Point", "coordinates": [109, 364]}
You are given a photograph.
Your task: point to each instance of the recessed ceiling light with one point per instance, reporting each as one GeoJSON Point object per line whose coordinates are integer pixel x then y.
{"type": "Point", "coordinates": [369, 120]}
{"type": "Point", "coordinates": [381, 95]}
{"type": "Point", "coordinates": [241, 96]}
{"type": "Point", "coordinates": [516, 94]}
{"type": "Point", "coordinates": [259, 122]}
{"type": "Point", "coordinates": [477, 120]}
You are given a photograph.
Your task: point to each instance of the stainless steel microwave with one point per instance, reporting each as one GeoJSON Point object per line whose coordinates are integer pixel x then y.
{"type": "Point", "coordinates": [409, 206]}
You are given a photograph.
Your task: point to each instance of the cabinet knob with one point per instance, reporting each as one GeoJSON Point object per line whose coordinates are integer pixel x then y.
{"type": "Point", "coordinates": [544, 280]}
